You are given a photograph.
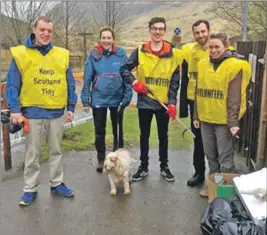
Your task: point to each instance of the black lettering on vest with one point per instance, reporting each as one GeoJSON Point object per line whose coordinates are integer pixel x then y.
{"type": "Point", "coordinates": [208, 93]}
{"type": "Point", "coordinates": [157, 81]}
{"type": "Point", "coordinates": [192, 75]}
{"type": "Point", "coordinates": [46, 81]}
{"type": "Point", "coordinates": [221, 95]}
{"type": "Point", "coordinates": [46, 71]}
{"type": "Point", "coordinates": [48, 91]}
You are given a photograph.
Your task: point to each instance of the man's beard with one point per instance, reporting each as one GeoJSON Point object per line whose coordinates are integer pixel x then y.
{"type": "Point", "coordinates": [201, 43]}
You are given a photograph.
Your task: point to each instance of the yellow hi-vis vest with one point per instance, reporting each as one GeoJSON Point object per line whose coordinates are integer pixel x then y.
{"type": "Point", "coordinates": [193, 54]}
{"type": "Point", "coordinates": [212, 89]}
{"type": "Point", "coordinates": [44, 81]}
{"type": "Point", "coordinates": [156, 73]}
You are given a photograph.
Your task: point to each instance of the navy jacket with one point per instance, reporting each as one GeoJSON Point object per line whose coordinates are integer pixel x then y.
{"type": "Point", "coordinates": [184, 102]}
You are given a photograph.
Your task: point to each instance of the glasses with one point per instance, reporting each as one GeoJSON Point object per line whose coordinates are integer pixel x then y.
{"type": "Point", "coordinates": [154, 29]}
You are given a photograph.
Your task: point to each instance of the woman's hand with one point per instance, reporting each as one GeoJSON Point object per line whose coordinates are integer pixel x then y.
{"type": "Point", "coordinates": [234, 130]}
{"type": "Point", "coordinates": [196, 124]}
{"type": "Point", "coordinates": [69, 116]}
{"type": "Point", "coordinates": [86, 109]}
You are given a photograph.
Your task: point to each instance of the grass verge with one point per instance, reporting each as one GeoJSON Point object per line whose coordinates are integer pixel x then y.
{"type": "Point", "coordinates": [81, 138]}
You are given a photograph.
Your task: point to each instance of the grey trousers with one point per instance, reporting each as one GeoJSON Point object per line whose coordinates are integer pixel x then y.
{"type": "Point", "coordinates": [53, 130]}
{"type": "Point", "coordinates": [218, 147]}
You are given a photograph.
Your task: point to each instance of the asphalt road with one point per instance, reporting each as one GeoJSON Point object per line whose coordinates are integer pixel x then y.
{"type": "Point", "coordinates": [155, 207]}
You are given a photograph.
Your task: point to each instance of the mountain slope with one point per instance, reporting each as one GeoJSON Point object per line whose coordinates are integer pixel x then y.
{"type": "Point", "coordinates": [181, 15]}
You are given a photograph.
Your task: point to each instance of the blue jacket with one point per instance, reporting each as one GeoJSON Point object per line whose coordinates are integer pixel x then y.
{"type": "Point", "coordinates": [103, 85]}
{"type": "Point", "coordinates": [14, 83]}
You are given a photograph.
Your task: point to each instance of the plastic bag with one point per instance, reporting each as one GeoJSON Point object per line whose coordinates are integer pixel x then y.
{"type": "Point", "coordinates": [238, 209]}
{"type": "Point", "coordinates": [5, 119]}
{"type": "Point", "coordinates": [218, 210]}
{"type": "Point", "coordinates": [238, 228]}
{"type": "Point", "coordinates": [5, 116]}
{"type": "Point", "coordinates": [14, 128]}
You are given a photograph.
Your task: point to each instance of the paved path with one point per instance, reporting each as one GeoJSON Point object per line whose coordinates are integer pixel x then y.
{"type": "Point", "coordinates": [155, 207]}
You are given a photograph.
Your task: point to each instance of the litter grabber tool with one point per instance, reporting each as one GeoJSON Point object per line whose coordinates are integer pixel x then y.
{"type": "Point", "coordinates": [177, 119]}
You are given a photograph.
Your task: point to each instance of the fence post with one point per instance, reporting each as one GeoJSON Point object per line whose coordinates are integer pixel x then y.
{"type": "Point", "coordinates": [5, 131]}
{"type": "Point", "coordinates": [263, 119]}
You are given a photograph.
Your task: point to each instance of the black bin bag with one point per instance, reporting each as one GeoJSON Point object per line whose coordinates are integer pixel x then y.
{"type": "Point", "coordinates": [217, 211]}
{"type": "Point", "coordinates": [238, 228]}
{"type": "Point", "coordinates": [238, 209]}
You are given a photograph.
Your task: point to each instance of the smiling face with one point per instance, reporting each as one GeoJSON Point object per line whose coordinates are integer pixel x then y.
{"type": "Point", "coordinates": [106, 40]}
{"type": "Point", "coordinates": [201, 34]}
{"type": "Point", "coordinates": [157, 32]}
{"type": "Point", "coordinates": [43, 32]}
{"type": "Point", "coordinates": [217, 48]}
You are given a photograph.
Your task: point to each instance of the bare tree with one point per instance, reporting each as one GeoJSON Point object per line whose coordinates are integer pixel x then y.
{"type": "Point", "coordinates": [69, 17]}
{"type": "Point", "coordinates": [111, 13]}
{"type": "Point", "coordinates": [257, 15]}
{"type": "Point", "coordinates": [18, 19]}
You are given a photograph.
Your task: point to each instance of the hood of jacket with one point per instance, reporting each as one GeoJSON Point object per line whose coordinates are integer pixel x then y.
{"type": "Point", "coordinates": [30, 43]}
{"type": "Point", "coordinates": [227, 54]}
{"type": "Point", "coordinates": [97, 52]}
{"type": "Point", "coordinates": [166, 50]}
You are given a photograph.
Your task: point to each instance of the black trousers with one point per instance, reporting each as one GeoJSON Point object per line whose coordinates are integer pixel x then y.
{"type": "Point", "coordinates": [100, 119]}
{"type": "Point", "coordinates": [199, 155]}
{"type": "Point", "coordinates": [145, 118]}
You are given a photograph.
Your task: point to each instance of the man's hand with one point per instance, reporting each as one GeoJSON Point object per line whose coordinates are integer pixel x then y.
{"type": "Point", "coordinates": [234, 130]}
{"type": "Point", "coordinates": [86, 109]}
{"type": "Point", "coordinates": [16, 118]}
{"type": "Point", "coordinates": [196, 124]}
{"type": "Point", "coordinates": [172, 111]}
{"type": "Point", "coordinates": [69, 116]}
{"type": "Point", "coordinates": [139, 87]}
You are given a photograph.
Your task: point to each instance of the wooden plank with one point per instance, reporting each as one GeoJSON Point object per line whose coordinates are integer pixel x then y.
{"type": "Point", "coordinates": [263, 116]}
{"type": "Point", "coordinates": [5, 131]}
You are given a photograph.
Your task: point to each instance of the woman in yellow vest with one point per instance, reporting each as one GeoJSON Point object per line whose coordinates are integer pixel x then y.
{"type": "Point", "coordinates": [220, 103]}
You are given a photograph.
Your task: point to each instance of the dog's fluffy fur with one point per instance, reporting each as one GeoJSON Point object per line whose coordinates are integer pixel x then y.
{"type": "Point", "coordinates": [117, 165]}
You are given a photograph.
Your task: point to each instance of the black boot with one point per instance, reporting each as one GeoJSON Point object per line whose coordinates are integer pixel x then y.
{"type": "Point", "coordinates": [100, 165]}
{"type": "Point", "coordinates": [196, 179]}
{"type": "Point", "coordinates": [115, 145]}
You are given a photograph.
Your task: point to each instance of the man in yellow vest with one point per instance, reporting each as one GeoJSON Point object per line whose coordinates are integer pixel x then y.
{"type": "Point", "coordinates": [157, 71]}
{"type": "Point", "coordinates": [194, 52]}
{"type": "Point", "coordinates": [40, 86]}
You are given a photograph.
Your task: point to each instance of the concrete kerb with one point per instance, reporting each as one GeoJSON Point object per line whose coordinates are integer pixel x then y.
{"type": "Point", "coordinates": [17, 140]}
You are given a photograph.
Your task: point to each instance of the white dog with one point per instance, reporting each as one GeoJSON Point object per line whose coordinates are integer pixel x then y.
{"type": "Point", "coordinates": [117, 165]}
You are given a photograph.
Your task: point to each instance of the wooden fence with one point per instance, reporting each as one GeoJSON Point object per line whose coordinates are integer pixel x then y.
{"type": "Point", "coordinates": [252, 142]}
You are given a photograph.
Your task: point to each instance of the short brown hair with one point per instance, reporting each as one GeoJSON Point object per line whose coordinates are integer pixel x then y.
{"type": "Point", "coordinates": [198, 22]}
{"type": "Point", "coordinates": [221, 36]}
{"type": "Point", "coordinates": [107, 29]}
{"type": "Point", "coordinates": [43, 18]}
{"type": "Point", "coordinates": [155, 20]}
